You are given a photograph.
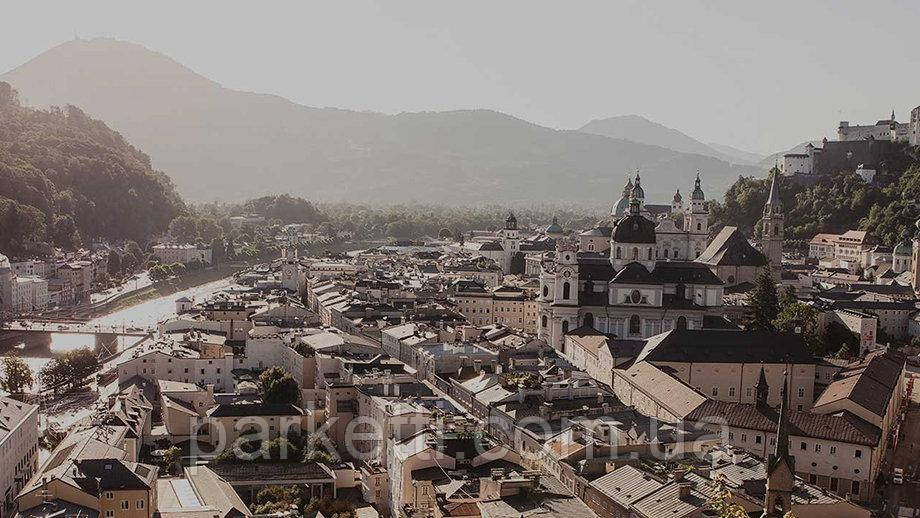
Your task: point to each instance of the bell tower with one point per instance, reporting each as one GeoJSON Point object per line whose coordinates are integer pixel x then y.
{"type": "Point", "coordinates": [696, 221]}
{"type": "Point", "coordinates": [511, 242]}
{"type": "Point", "coordinates": [780, 465]}
{"type": "Point", "coordinates": [772, 224]}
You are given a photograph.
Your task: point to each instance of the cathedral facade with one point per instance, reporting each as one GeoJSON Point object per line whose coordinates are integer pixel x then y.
{"type": "Point", "coordinates": [638, 274]}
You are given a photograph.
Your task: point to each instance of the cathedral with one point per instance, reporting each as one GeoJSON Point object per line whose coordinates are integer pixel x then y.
{"type": "Point", "coordinates": [638, 274]}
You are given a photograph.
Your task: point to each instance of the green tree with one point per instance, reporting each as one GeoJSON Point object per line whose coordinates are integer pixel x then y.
{"type": "Point", "coordinates": [71, 368]}
{"type": "Point", "coordinates": [172, 460]}
{"type": "Point", "coordinates": [113, 262]}
{"type": "Point", "coordinates": [278, 387]}
{"type": "Point", "coordinates": [802, 319]}
{"type": "Point", "coordinates": [65, 232]}
{"type": "Point", "coordinates": [763, 303]}
{"type": "Point", "coordinates": [17, 375]}
{"type": "Point", "coordinates": [218, 250]}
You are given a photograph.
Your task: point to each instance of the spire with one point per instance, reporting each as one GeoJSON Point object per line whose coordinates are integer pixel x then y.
{"type": "Point", "coordinates": [782, 428]}
{"type": "Point", "coordinates": [637, 191]}
{"type": "Point", "coordinates": [698, 189]}
{"type": "Point", "coordinates": [763, 390]}
{"type": "Point", "coordinates": [774, 202]}
{"type": "Point", "coordinates": [892, 115]}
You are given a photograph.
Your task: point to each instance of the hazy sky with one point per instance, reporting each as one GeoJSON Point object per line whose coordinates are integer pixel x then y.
{"type": "Point", "coordinates": [762, 76]}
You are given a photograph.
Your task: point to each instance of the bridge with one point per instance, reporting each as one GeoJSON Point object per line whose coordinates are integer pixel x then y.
{"type": "Point", "coordinates": [106, 335]}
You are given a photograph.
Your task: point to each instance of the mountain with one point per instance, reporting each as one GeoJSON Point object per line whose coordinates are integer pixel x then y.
{"type": "Point", "coordinates": [217, 142]}
{"type": "Point", "coordinates": [639, 129]}
{"type": "Point", "coordinates": [737, 155]}
{"type": "Point", "coordinates": [65, 176]}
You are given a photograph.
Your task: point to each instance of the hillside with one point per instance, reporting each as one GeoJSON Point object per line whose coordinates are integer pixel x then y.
{"type": "Point", "coordinates": [835, 203]}
{"type": "Point", "coordinates": [639, 129]}
{"type": "Point", "coordinates": [216, 142]}
{"type": "Point", "coordinates": [66, 178]}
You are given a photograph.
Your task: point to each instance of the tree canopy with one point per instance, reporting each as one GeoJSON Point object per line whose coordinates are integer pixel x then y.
{"type": "Point", "coordinates": [66, 178]}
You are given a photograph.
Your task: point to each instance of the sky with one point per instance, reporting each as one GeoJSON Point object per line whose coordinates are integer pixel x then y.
{"type": "Point", "coordinates": [760, 76]}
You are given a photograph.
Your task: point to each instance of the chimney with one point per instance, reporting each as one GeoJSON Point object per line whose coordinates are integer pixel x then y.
{"type": "Point", "coordinates": [684, 488]}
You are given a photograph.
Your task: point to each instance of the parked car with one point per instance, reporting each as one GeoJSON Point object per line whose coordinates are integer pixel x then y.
{"type": "Point", "coordinates": [898, 477]}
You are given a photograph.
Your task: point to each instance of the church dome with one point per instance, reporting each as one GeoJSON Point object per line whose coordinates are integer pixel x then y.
{"type": "Point", "coordinates": [554, 228]}
{"type": "Point", "coordinates": [622, 207]}
{"type": "Point", "coordinates": [903, 249]}
{"type": "Point", "coordinates": [634, 229]}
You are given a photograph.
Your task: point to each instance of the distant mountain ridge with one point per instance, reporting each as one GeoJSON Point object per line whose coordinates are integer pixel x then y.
{"type": "Point", "coordinates": [219, 143]}
{"type": "Point", "coordinates": [639, 129]}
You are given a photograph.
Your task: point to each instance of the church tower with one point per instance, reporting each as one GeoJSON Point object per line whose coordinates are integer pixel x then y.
{"type": "Point", "coordinates": [696, 221]}
{"type": "Point", "coordinates": [290, 269]}
{"type": "Point", "coordinates": [780, 465]}
{"type": "Point", "coordinates": [511, 242]}
{"type": "Point", "coordinates": [772, 228]}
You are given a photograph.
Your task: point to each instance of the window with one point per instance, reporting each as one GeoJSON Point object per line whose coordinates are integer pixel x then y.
{"type": "Point", "coordinates": [635, 254]}
{"type": "Point", "coordinates": [649, 254]}
{"type": "Point", "coordinates": [801, 392]}
{"type": "Point", "coordinates": [634, 325]}
{"type": "Point", "coordinates": [109, 513]}
{"type": "Point", "coordinates": [109, 495]}
{"type": "Point", "coordinates": [566, 290]}
{"type": "Point", "coordinates": [757, 439]}
{"type": "Point", "coordinates": [857, 454]}
{"type": "Point", "coordinates": [619, 253]}
{"type": "Point", "coordinates": [140, 504]}
{"type": "Point", "coordinates": [731, 391]}
{"type": "Point", "coordinates": [731, 436]}
{"type": "Point", "coordinates": [545, 291]}
{"type": "Point", "coordinates": [124, 505]}
{"type": "Point", "coordinates": [565, 326]}
{"type": "Point", "coordinates": [833, 450]}
{"type": "Point", "coordinates": [812, 478]}
{"type": "Point", "coordinates": [589, 319]}
{"type": "Point", "coordinates": [834, 484]}
{"type": "Point", "coordinates": [748, 391]}
{"type": "Point", "coordinates": [699, 226]}
{"type": "Point", "coordinates": [715, 391]}
{"type": "Point", "coordinates": [817, 448]}
{"type": "Point", "coordinates": [635, 297]}
{"type": "Point", "coordinates": [666, 253]}
{"type": "Point", "coordinates": [804, 446]}
{"type": "Point", "coordinates": [855, 487]}
{"type": "Point", "coordinates": [543, 320]}
{"type": "Point", "coordinates": [744, 437]}
{"type": "Point", "coordinates": [681, 322]}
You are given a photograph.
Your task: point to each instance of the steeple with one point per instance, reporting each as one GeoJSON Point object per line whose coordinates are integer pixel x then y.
{"type": "Point", "coordinates": [781, 465]}
{"type": "Point", "coordinates": [697, 189]}
{"type": "Point", "coordinates": [774, 204]}
{"type": "Point", "coordinates": [763, 390]}
{"type": "Point", "coordinates": [637, 191]}
{"type": "Point", "coordinates": [511, 222]}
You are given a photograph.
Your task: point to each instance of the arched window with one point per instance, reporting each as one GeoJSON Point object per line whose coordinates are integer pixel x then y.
{"type": "Point", "coordinates": [681, 322]}
{"type": "Point", "coordinates": [545, 291]}
{"type": "Point", "coordinates": [619, 253]}
{"type": "Point", "coordinates": [543, 320]}
{"type": "Point", "coordinates": [699, 226]}
{"type": "Point", "coordinates": [590, 247]}
{"type": "Point", "coordinates": [731, 279]}
{"type": "Point", "coordinates": [589, 319]}
{"type": "Point", "coordinates": [566, 290]}
{"type": "Point", "coordinates": [635, 254]}
{"type": "Point", "coordinates": [649, 254]}
{"type": "Point", "coordinates": [666, 253]}
{"type": "Point", "coordinates": [634, 325]}
{"type": "Point", "coordinates": [565, 326]}
{"type": "Point", "coordinates": [675, 253]}
{"type": "Point", "coordinates": [776, 231]}
{"type": "Point", "coordinates": [680, 291]}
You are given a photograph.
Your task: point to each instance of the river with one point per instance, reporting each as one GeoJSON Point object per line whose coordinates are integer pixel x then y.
{"type": "Point", "coordinates": [145, 314]}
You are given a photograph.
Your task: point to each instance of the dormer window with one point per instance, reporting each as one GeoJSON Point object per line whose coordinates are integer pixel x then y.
{"type": "Point", "coordinates": [635, 297]}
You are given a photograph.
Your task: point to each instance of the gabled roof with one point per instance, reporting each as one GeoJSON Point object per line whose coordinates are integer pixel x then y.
{"type": "Point", "coordinates": [717, 346]}
{"type": "Point", "coordinates": [731, 248]}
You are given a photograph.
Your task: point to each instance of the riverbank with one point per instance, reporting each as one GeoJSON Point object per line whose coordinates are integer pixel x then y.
{"type": "Point", "coordinates": [164, 288]}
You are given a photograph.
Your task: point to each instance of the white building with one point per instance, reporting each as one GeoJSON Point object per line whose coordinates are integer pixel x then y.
{"type": "Point", "coordinates": [174, 253]}
{"type": "Point", "coordinates": [18, 449]}
{"type": "Point", "coordinates": [20, 294]}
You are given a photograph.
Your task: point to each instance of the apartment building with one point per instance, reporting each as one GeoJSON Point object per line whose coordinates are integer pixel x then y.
{"type": "Point", "coordinates": [18, 449]}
